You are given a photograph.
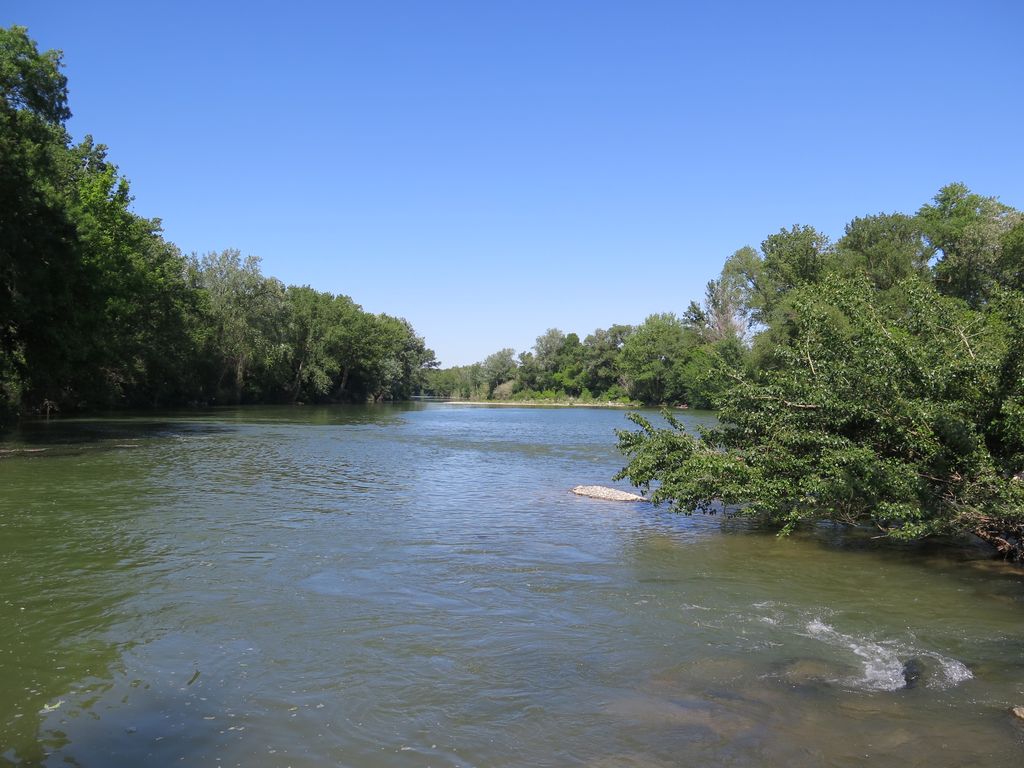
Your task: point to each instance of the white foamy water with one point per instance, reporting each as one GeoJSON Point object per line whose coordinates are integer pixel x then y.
{"type": "Point", "coordinates": [883, 662]}
{"type": "Point", "coordinates": [952, 672]}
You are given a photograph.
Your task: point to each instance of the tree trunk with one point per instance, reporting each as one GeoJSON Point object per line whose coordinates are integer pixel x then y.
{"type": "Point", "coordinates": [298, 383]}
{"type": "Point", "coordinates": [239, 377]}
{"type": "Point", "coordinates": [344, 382]}
{"type": "Point", "coordinates": [1007, 539]}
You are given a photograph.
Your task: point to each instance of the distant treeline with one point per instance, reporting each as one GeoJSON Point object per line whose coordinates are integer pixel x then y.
{"type": "Point", "coordinates": [960, 245]}
{"type": "Point", "coordinates": [98, 310]}
{"type": "Point", "coordinates": [663, 360]}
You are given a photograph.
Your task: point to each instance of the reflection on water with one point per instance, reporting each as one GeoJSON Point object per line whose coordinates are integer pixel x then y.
{"type": "Point", "coordinates": [378, 586]}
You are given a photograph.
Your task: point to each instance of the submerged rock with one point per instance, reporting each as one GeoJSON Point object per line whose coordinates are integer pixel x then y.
{"type": "Point", "coordinates": [689, 712]}
{"type": "Point", "coordinates": [931, 670]}
{"type": "Point", "coordinates": [913, 671]}
{"type": "Point", "coordinates": [611, 494]}
{"type": "Point", "coordinates": [808, 672]}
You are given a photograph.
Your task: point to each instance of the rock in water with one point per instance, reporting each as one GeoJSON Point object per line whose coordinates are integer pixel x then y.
{"type": "Point", "coordinates": [913, 670]}
{"type": "Point", "coordinates": [611, 494]}
{"type": "Point", "coordinates": [1018, 712]}
{"type": "Point", "coordinates": [808, 672]}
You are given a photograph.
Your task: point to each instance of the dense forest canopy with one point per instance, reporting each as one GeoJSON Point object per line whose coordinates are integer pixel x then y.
{"type": "Point", "coordinates": [97, 309]}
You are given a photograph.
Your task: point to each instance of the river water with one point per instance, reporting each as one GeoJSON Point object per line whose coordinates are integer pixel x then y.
{"type": "Point", "coordinates": [415, 586]}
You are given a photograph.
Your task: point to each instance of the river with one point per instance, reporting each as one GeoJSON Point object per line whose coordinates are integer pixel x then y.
{"type": "Point", "coordinates": [415, 586]}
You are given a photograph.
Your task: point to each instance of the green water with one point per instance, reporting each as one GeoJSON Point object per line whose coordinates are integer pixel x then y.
{"type": "Point", "coordinates": [414, 586]}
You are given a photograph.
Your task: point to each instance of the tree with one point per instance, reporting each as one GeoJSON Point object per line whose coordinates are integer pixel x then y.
{"type": "Point", "coordinates": [499, 368]}
{"type": "Point", "coordinates": [968, 230]}
{"type": "Point", "coordinates": [31, 82]}
{"type": "Point", "coordinates": [722, 312]}
{"type": "Point", "coordinates": [653, 357]}
{"type": "Point", "coordinates": [1010, 264]}
{"type": "Point", "coordinates": [888, 248]}
{"type": "Point", "coordinates": [569, 374]}
{"type": "Point", "coordinates": [908, 423]}
{"type": "Point", "coordinates": [97, 309]}
{"type": "Point", "coordinates": [92, 299]}
{"type": "Point", "coordinates": [244, 311]}
{"type": "Point", "coordinates": [601, 351]}
{"type": "Point", "coordinates": [413, 359]}
{"type": "Point", "coordinates": [792, 258]}
{"type": "Point", "coordinates": [312, 316]}
{"type": "Point", "coordinates": [38, 259]}
{"type": "Point", "coordinates": [130, 334]}
{"type": "Point", "coordinates": [528, 373]}
{"type": "Point", "coordinates": [742, 273]}
{"type": "Point", "coordinates": [384, 358]}
{"type": "Point", "coordinates": [546, 357]}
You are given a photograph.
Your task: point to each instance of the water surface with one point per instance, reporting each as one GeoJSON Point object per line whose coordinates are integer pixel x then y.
{"type": "Point", "coordinates": [413, 586]}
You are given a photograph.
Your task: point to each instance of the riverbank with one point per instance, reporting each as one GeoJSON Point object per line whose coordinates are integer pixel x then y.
{"type": "Point", "coordinates": [540, 403]}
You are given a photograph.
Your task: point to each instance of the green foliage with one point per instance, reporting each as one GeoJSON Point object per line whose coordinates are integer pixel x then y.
{"type": "Point", "coordinates": [887, 248]}
{"type": "Point", "coordinates": [97, 309]}
{"type": "Point", "coordinates": [30, 81]}
{"type": "Point", "coordinates": [653, 359]}
{"type": "Point", "coordinates": [968, 230]}
{"type": "Point", "coordinates": [37, 250]}
{"type": "Point", "coordinates": [499, 369]}
{"type": "Point", "coordinates": [905, 420]}
{"type": "Point", "coordinates": [792, 258]}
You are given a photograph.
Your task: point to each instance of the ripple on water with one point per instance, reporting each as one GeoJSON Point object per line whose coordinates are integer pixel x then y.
{"type": "Point", "coordinates": [422, 589]}
{"type": "Point", "coordinates": [884, 663]}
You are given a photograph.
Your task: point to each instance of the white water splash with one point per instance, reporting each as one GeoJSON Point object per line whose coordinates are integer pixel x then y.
{"type": "Point", "coordinates": [883, 669]}
{"type": "Point", "coordinates": [951, 671]}
{"type": "Point", "coordinates": [883, 663]}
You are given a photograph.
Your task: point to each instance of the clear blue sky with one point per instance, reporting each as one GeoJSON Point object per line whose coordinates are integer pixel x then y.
{"type": "Point", "coordinates": [492, 169]}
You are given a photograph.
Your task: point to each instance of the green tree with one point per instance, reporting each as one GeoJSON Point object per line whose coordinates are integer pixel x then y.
{"type": "Point", "coordinates": [601, 351]}
{"type": "Point", "coordinates": [244, 314]}
{"type": "Point", "coordinates": [888, 248]}
{"type": "Point", "coordinates": [414, 360]}
{"type": "Point", "coordinates": [96, 308]}
{"type": "Point", "coordinates": [741, 274]}
{"type": "Point", "coordinates": [653, 357]}
{"type": "Point", "coordinates": [386, 358]}
{"type": "Point", "coordinates": [38, 258]}
{"type": "Point", "coordinates": [968, 231]}
{"type": "Point", "coordinates": [313, 318]}
{"type": "Point", "coordinates": [133, 299]}
{"type": "Point", "coordinates": [93, 302]}
{"type": "Point", "coordinates": [529, 376]}
{"type": "Point", "coordinates": [569, 374]}
{"type": "Point", "coordinates": [1010, 264]}
{"type": "Point", "coordinates": [546, 351]}
{"type": "Point", "coordinates": [499, 368]}
{"type": "Point", "coordinates": [791, 258]}
{"type": "Point", "coordinates": [907, 423]}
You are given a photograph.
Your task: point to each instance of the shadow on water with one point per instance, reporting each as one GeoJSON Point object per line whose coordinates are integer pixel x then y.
{"type": "Point", "coordinates": [64, 567]}
{"type": "Point", "coordinates": [59, 435]}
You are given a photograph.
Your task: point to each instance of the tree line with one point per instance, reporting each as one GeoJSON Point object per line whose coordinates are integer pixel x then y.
{"type": "Point", "coordinates": [662, 360]}
{"type": "Point", "coordinates": [98, 309]}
